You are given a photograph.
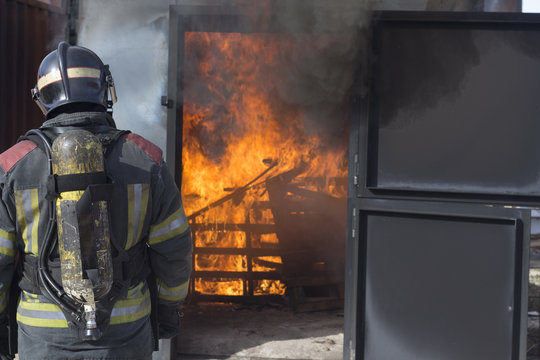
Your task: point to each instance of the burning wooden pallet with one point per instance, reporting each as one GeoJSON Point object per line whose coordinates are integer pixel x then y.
{"type": "Point", "coordinates": [311, 227]}
{"type": "Point", "coordinates": [253, 279]}
{"type": "Point", "coordinates": [308, 225]}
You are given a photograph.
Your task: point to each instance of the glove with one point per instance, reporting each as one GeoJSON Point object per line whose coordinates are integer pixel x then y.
{"type": "Point", "coordinates": [168, 320]}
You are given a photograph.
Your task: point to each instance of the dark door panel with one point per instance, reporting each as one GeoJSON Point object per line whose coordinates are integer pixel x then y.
{"type": "Point", "coordinates": [440, 281]}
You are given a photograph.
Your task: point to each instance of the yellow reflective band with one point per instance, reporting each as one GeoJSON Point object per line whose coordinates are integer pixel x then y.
{"type": "Point", "coordinates": [131, 215]}
{"type": "Point", "coordinates": [7, 251]}
{"type": "Point", "coordinates": [174, 225]}
{"type": "Point", "coordinates": [129, 310]}
{"type": "Point", "coordinates": [21, 217]}
{"type": "Point", "coordinates": [122, 319]}
{"type": "Point", "coordinates": [72, 73]}
{"type": "Point", "coordinates": [51, 323]}
{"type": "Point", "coordinates": [175, 293]}
{"type": "Point", "coordinates": [44, 314]}
{"type": "Point", "coordinates": [29, 297]}
{"type": "Point", "coordinates": [137, 205]}
{"type": "Point", "coordinates": [35, 223]}
{"type": "Point", "coordinates": [41, 315]}
{"type": "Point", "coordinates": [27, 204]}
{"type": "Point", "coordinates": [7, 243]}
{"type": "Point", "coordinates": [41, 306]}
{"type": "Point", "coordinates": [7, 235]}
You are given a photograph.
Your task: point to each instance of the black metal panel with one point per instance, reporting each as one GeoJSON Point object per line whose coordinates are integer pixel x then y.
{"type": "Point", "coordinates": [437, 281]}
{"type": "Point", "coordinates": [452, 110]}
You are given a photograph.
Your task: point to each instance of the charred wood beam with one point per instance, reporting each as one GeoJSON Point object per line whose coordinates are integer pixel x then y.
{"type": "Point", "coordinates": [238, 194]}
{"type": "Point", "coordinates": [310, 194]}
{"type": "Point", "coordinates": [236, 275]}
{"type": "Point", "coordinates": [256, 299]}
{"type": "Point", "coordinates": [254, 228]}
{"type": "Point", "coordinates": [276, 266]}
{"type": "Point", "coordinates": [236, 251]}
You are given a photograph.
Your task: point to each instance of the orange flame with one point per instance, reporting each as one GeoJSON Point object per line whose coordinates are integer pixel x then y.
{"type": "Point", "coordinates": [236, 127]}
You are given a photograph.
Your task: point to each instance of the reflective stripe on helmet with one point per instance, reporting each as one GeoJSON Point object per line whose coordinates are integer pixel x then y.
{"type": "Point", "coordinates": [175, 293]}
{"type": "Point", "coordinates": [33, 312]}
{"type": "Point", "coordinates": [138, 195]}
{"type": "Point", "coordinates": [73, 73]}
{"type": "Point", "coordinates": [27, 204]}
{"type": "Point", "coordinates": [174, 225]}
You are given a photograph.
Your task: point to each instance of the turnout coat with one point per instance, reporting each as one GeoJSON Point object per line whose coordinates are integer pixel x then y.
{"type": "Point", "coordinates": [146, 212]}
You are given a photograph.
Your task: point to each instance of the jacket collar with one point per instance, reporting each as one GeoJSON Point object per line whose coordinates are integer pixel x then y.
{"type": "Point", "coordinates": [80, 119]}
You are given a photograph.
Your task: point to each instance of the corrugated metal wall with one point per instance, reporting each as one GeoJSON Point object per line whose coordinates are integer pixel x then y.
{"type": "Point", "coordinates": [29, 30]}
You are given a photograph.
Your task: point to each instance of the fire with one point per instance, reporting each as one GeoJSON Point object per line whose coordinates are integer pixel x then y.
{"type": "Point", "coordinates": [237, 132]}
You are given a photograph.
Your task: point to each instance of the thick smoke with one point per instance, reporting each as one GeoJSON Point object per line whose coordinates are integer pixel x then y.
{"type": "Point", "coordinates": [320, 74]}
{"type": "Point", "coordinates": [131, 36]}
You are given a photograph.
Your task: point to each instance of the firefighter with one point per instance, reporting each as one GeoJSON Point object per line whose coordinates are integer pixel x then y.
{"type": "Point", "coordinates": [92, 226]}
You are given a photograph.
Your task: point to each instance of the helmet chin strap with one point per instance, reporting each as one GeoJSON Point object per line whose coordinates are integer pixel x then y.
{"type": "Point", "coordinates": [111, 88]}
{"type": "Point", "coordinates": [35, 97]}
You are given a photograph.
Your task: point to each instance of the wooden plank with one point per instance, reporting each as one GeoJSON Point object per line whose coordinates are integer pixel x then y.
{"type": "Point", "coordinates": [254, 228]}
{"type": "Point", "coordinates": [236, 251]}
{"type": "Point", "coordinates": [255, 299]}
{"type": "Point", "coordinates": [223, 275]}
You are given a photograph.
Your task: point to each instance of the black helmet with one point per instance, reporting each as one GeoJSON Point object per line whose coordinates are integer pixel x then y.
{"type": "Point", "coordinates": [72, 74]}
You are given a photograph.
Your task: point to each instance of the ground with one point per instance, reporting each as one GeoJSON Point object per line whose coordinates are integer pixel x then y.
{"type": "Point", "coordinates": [274, 331]}
{"type": "Point", "coordinates": [217, 331]}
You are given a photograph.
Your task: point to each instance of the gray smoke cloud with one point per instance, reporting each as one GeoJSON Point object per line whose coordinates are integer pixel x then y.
{"type": "Point", "coordinates": [132, 37]}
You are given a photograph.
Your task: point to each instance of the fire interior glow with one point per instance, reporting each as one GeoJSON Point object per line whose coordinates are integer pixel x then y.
{"type": "Point", "coordinates": [238, 132]}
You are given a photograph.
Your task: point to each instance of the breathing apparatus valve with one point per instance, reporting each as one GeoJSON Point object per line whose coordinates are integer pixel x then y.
{"type": "Point", "coordinates": [91, 332]}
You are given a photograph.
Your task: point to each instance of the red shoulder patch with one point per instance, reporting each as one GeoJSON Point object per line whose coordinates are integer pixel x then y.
{"type": "Point", "coordinates": [151, 149]}
{"type": "Point", "coordinates": [15, 153]}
